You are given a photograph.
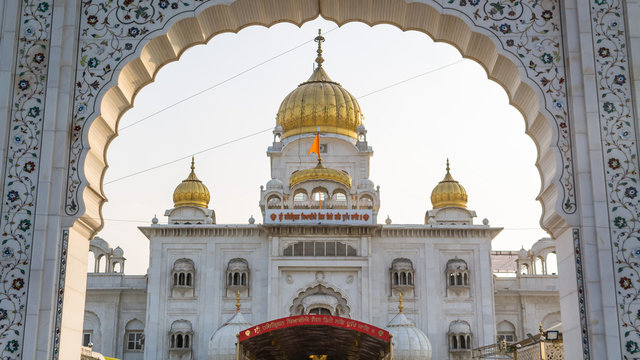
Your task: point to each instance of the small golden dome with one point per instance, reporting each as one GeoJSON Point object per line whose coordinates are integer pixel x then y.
{"type": "Point", "coordinates": [320, 173]}
{"type": "Point", "coordinates": [319, 103]}
{"type": "Point", "coordinates": [191, 191]}
{"type": "Point", "coordinates": [448, 193]}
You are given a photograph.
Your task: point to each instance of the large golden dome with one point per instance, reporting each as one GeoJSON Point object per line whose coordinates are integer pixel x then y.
{"type": "Point", "coordinates": [320, 173]}
{"type": "Point", "coordinates": [191, 191]}
{"type": "Point", "coordinates": [319, 103]}
{"type": "Point", "coordinates": [448, 193]}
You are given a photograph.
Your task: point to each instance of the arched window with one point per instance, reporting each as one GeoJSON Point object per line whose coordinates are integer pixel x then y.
{"type": "Point", "coordinates": [460, 335]}
{"type": "Point", "coordinates": [457, 274]}
{"type": "Point", "coordinates": [237, 276]}
{"type": "Point", "coordinates": [402, 275]}
{"type": "Point", "coordinates": [320, 311]}
{"type": "Point", "coordinates": [134, 336]}
{"type": "Point", "coordinates": [506, 331]}
{"type": "Point", "coordinates": [274, 202]}
{"type": "Point", "coordinates": [183, 276]}
{"type": "Point", "coordinates": [180, 336]}
{"type": "Point", "coordinates": [365, 202]}
{"type": "Point", "coordinates": [320, 300]}
{"type": "Point", "coordinates": [300, 199]}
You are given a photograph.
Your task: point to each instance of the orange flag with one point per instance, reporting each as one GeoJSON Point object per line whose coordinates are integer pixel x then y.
{"type": "Point", "coordinates": [315, 147]}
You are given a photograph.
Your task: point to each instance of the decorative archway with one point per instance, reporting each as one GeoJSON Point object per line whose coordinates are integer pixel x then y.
{"type": "Point", "coordinates": [79, 65]}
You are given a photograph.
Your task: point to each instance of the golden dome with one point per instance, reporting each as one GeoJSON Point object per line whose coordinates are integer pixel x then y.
{"type": "Point", "coordinates": [191, 191]}
{"type": "Point", "coordinates": [319, 103]}
{"type": "Point", "coordinates": [448, 193]}
{"type": "Point", "coordinates": [320, 173]}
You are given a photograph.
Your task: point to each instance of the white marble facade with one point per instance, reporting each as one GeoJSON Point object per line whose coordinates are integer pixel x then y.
{"type": "Point", "coordinates": [354, 268]}
{"type": "Point", "coordinates": [581, 112]}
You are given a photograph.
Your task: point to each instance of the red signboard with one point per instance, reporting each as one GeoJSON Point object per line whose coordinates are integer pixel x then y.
{"type": "Point", "coordinates": [314, 320]}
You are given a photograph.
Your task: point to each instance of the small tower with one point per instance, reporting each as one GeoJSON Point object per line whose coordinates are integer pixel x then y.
{"type": "Point", "coordinates": [190, 202]}
{"type": "Point", "coordinates": [449, 200]}
{"type": "Point", "coordinates": [321, 110]}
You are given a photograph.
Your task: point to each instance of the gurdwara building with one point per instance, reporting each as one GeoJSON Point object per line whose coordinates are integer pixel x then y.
{"type": "Point", "coordinates": [319, 253]}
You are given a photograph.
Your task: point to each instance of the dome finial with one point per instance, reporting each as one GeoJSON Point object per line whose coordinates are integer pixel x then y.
{"type": "Point", "coordinates": [238, 301]}
{"type": "Point", "coordinates": [400, 306]}
{"type": "Point", "coordinates": [319, 39]}
{"type": "Point", "coordinates": [448, 165]}
{"type": "Point", "coordinates": [191, 191]}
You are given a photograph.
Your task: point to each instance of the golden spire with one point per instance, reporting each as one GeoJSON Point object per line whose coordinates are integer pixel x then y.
{"type": "Point", "coordinates": [541, 329]}
{"type": "Point", "coordinates": [400, 306]}
{"type": "Point", "coordinates": [319, 39]}
{"type": "Point", "coordinates": [191, 191]}
{"type": "Point", "coordinates": [449, 192]}
{"type": "Point", "coordinates": [238, 301]}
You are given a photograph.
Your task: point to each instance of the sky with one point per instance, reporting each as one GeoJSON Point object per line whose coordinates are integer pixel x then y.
{"type": "Point", "coordinates": [422, 102]}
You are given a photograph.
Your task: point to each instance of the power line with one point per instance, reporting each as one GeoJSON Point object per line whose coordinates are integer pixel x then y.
{"type": "Point", "coordinates": [218, 84]}
{"type": "Point", "coordinates": [188, 156]}
{"type": "Point", "coordinates": [270, 128]}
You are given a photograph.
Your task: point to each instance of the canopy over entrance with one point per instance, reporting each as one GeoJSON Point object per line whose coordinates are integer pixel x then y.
{"type": "Point", "coordinates": [299, 337]}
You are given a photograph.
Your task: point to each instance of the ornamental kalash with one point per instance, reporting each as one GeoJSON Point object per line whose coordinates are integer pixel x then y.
{"type": "Point", "coordinates": [320, 278]}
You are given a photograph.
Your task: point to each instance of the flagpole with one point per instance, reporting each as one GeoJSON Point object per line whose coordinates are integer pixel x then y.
{"type": "Point", "coordinates": [319, 161]}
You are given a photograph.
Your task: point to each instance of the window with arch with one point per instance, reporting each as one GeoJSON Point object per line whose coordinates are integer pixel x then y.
{"type": "Point", "coordinates": [457, 273]}
{"type": "Point", "coordinates": [402, 274]}
{"type": "Point", "coordinates": [237, 274]}
{"type": "Point", "coordinates": [180, 336]}
{"type": "Point", "coordinates": [320, 300]}
{"type": "Point", "coordinates": [460, 336]}
{"type": "Point", "coordinates": [319, 311]}
{"type": "Point", "coordinates": [365, 202]}
{"type": "Point", "coordinates": [506, 331]}
{"type": "Point", "coordinates": [134, 336]}
{"type": "Point", "coordinates": [274, 202]}
{"type": "Point", "coordinates": [183, 278]}
{"type": "Point", "coordinates": [320, 198]}
{"type": "Point", "coordinates": [300, 199]}
{"type": "Point", "coordinates": [339, 199]}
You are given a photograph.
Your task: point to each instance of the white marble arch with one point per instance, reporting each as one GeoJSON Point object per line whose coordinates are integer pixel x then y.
{"type": "Point", "coordinates": [581, 117]}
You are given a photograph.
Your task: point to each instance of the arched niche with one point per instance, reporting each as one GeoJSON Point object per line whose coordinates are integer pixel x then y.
{"type": "Point", "coordinates": [99, 103]}
{"type": "Point", "coordinates": [94, 121]}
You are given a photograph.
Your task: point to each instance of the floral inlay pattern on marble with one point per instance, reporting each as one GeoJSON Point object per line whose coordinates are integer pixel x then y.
{"type": "Point", "coordinates": [580, 285]}
{"type": "Point", "coordinates": [531, 30]}
{"type": "Point", "coordinates": [111, 32]}
{"type": "Point", "coordinates": [620, 163]}
{"type": "Point", "coordinates": [62, 273]}
{"type": "Point", "coordinates": [21, 172]}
